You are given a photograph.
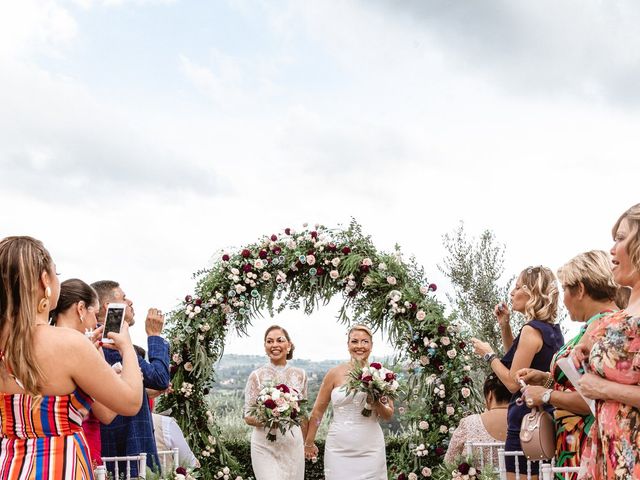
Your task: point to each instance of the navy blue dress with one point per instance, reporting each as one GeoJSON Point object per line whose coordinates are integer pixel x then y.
{"type": "Point", "coordinates": [552, 341]}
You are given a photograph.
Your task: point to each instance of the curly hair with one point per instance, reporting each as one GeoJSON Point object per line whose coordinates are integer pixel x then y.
{"type": "Point", "coordinates": [632, 216]}
{"type": "Point", "coordinates": [542, 286]}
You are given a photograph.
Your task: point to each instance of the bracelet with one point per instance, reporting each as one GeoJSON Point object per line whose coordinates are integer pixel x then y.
{"type": "Point", "coordinates": [309, 446]}
{"type": "Point", "coordinates": [549, 382]}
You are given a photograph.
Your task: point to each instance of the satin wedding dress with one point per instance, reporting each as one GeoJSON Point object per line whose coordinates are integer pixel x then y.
{"type": "Point", "coordinates": [355, 444]}
{"type": "Point", "coordinates": [282, 459]}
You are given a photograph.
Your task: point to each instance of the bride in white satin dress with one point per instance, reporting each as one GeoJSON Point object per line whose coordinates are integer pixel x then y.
{"type": "Point", "coordinates": [355, 444]}
{"type": "Point", "coordinates": [282, 459]}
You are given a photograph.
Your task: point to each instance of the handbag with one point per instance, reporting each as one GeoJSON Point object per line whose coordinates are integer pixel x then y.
{"type": "Point", "coordinates": [538, 435]}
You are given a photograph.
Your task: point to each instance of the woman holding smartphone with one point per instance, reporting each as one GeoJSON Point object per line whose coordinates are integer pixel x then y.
{"type": "Point", "coordinates": [77, 309]}
{"type": "Point", "coordinates": [53, 373]}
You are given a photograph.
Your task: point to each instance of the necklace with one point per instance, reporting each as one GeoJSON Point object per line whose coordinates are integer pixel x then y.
{"type": "Point", "coordinates": [498, 408]}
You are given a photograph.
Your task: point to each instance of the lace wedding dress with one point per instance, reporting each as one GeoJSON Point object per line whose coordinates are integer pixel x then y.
{"type": "Point", "coordinates": [282, 459]}
{"type": "Point", "coordinates": [355, 443]}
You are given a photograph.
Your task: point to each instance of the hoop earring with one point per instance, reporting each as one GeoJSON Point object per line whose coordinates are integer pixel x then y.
{"type": "Point", "coordinates": [81, 319]}
{"type": "Point", "coordinates": [43, 304]}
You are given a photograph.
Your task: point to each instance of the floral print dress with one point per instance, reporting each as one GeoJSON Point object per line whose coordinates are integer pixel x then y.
{"type": "Point", "coordinates": [613, 448]}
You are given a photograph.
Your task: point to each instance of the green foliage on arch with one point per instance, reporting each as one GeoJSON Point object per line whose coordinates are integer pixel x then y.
{"type": "Point", "coordinates": [305, 270]}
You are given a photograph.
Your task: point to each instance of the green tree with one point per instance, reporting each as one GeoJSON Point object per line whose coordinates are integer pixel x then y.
{"type": "Point", "coordinates": [475, 268]}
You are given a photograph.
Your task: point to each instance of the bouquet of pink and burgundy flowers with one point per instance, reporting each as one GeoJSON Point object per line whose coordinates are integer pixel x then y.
{"type": "Point", "coordinates": [278, 407]}
{"type": "Point", "coordinates": [376, 381]}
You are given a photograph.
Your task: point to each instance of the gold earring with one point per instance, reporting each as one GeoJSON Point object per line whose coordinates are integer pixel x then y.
{"type": "Point", "coordinates": [43, 304]}
{"type": "Point", "coordinates": [81, 319]}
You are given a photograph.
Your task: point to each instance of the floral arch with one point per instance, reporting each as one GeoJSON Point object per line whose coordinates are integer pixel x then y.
{"type": "Point", "coordinates": [302, 270]}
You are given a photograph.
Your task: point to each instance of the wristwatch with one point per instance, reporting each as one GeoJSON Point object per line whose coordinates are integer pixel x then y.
{"type": "Point", "coordinates": [488, 357]}
{"type": "Point", "coordinates": [546, 396]}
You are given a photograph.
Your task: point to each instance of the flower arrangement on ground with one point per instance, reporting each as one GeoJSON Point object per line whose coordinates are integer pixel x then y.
{"type": "Point", "coordinates": [463, 469]}
{"type": "Point", "coordinates": [278, 408]}
{"type": "Point", "coordinates": [374, 380]}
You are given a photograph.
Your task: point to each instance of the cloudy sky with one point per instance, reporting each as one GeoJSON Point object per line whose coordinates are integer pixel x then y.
{"type": "Point", "coordinates": [139, 137]}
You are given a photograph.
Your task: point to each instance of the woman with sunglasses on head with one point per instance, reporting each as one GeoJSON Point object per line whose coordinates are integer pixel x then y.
{"type": "Point", "coordinates": [283, 458]}
{"type": "Point", "coordinates": [536, 296]}
{"type": "Point", "coordinates": [590, 294]}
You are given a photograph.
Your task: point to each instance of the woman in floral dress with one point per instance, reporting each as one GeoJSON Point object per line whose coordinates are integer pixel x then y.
{"type": "Point", "coordinates": [589, 295]}
{"type": "Point", "coordinates": [613, 448]}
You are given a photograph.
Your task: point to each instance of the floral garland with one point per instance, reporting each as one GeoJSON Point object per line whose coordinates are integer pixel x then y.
{"type": "Point", "coordinates": [302, 270]}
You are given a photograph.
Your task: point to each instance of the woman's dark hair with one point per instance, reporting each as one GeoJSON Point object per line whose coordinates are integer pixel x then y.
{"type": "Point", "coordinates": [286, 335]}
{"type": "Point", "coordinates": [493, 384]}
{"type": "Point", "coordinates": [73, 291]}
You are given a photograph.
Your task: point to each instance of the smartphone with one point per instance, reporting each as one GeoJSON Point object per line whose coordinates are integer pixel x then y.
{"type": "Point", "coordinates": [113, 320]}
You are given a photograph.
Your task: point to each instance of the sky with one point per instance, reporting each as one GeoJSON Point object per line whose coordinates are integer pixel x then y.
{"type": "Point", "coordinates": [140, 137]}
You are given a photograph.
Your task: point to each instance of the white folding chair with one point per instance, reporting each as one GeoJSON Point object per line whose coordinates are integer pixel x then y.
{"type": "Point", "coordinates": [548, 471]}
{"type": "Point", "coordinates": [142, 465]}
{"type": "Point", "coordinates": [481, 449]}
{"type": "Point", "coordinates": [100, 473]}
{"type": "Point", "coordinates": [502, 466]}
{"type": "Point", "coordinates": [169, 458]}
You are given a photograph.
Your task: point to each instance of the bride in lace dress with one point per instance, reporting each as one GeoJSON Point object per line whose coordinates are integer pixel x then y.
{"type": "Point", "coordinates": [355, 444]}
{"type": "Point", "coordinates": [282, 459]}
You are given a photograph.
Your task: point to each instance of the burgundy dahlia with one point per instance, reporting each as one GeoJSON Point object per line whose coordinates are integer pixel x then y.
{"type": "Point", "coordinates": [376, 365]}
{"type": "Point", "coordinates": [270, 404]}
{"type": "Point", "coordinates": [198, 302]}
{"type": "Point", "coordinates": [463, 468]}
{"type": "Point", "coordinates": [365, 268]}
{"type": "Point", "coordinates": [226, 257]}
{"type": "Point", "coordinates": [314, 234]}
{"type": "Point", "coordinates": [462, 345]}
{"type": "Point", "coordinates": [181, 471]}
{"type": "Point", "coordinates": [274, 238]}
{"type": "Point", "coordinates": [188, 299]}
{"type": "Point", "coordinates": [246, 253]}
{"type": "Point", "coordinates": [402, 476]}
{"type": "Point", "coordinates": [332, 247]}
{"type": "Point", "coordinates": [440, 451]}
{"type": "Point", "coordinates": [390, 377]}
{"type": "Point", "coordinates": [246, 268]}
{"type": "Point", "coordinates": [442, 329]}
{"type": "Point", "coordinates": [263, 254]}
{"type": "Point", "coordinates": [346, 250]}
{"type": "Point", "coordinates": [287, 231]}
{"type": "Point", "coordinates": [367, 379]}
{"type": "Point", "coordinates": [433, 287]}
{"type": "Point", "coordinates": [283, 388]}
{"type": "Point", "coordinates": [277, 250]}
{"type": "Point", "coordinates": [320, 271]}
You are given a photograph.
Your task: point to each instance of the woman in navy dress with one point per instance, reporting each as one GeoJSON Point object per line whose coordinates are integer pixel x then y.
{"type": "Point", "coordinates": [536, 296]}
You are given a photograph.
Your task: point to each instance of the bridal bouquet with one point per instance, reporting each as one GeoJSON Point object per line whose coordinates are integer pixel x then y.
{"type": "Point", "coordinates": [278, 407]}
{"type": "Point", "coordinates": [374, 380]}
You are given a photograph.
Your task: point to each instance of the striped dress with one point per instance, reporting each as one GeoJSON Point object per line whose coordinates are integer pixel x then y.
{"type": "Point", "coordinates": [44, 440]}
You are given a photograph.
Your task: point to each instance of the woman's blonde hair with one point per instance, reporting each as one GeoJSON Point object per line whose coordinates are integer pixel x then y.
{"type": "Point", "coordinates": [361, 328]}
{"type": "Point", "coordinates": [593, 270]}
{"type": "Point", "coordinates": [22, 262]}
{"type": "Point", "coordinates": [542, 286]}
{"type": "Point", "coordinates": [632, 216]}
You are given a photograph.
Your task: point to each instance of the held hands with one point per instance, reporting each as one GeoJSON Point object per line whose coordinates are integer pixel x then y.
{"type": "Point", "coordinates": [480, 347]}
{"type": "Point", "coordinates": [311, 452]}
{"type": "Point", "coordinates": [154, 322]}
{"type": "Point", "coordinates": [531, 376]}
{"type": "Point", "coordinates": [501, 311]}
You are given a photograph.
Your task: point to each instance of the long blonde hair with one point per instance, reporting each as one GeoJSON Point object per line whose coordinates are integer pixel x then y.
{"type": "Point", "coordinates": [542, 286]}
{"type": "Point", "coordinates": [632, 216]}
{"type": "Point", "coordinates": [22, 262]}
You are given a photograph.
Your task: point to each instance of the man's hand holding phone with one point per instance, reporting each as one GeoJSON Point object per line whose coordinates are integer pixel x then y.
{"type": "Point", "coordinates": [155, 322]}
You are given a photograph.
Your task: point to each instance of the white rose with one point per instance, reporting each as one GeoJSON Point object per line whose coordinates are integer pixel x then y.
{"type": "Point", "coordinates": [189, 308]}
{"type": "Point", "coordinates": [412, 476]}
{"type": "Point", "coordinates": [391, 280]}
{"type": "Point", "coordinates": [291, 244]}
{"type": "Point", "coordinates": [191, 315]}
{"type": "Point", "coordinates": [445, 341]}
{"type": "Point", "coordinates": [266, 276]}
{"type": "Point", "coordinates": [197, 310]}
{"type": "Point", "coordinates": [426, 472]}
{"type": "Point", "coordinates": [423, 425]}
{"type": "Point", "coordinates": [188, 366]}
{"type": "Point", "coordinates": [235, 271]}
{"type": "Point", "coordinates": [450, 410]}
{"type": "Point", "coordinates": [335, 262]}
{"type": "Point", "coordinates": [465, 392]}
{"type": "Point", "coordinates": [311, 260]}
{"type": "Point", "coordinates": [258, 264]}
{"type": "Point", "coordinates": [472, 471]}
{"type": "Point", "coordinates": [444, 429]}
{"type": "Point", "coordinates": [424, 360]}
{"type": "Point", "coordinates": [226, 470]}
{"type": "Point", "coordinates": [179, 476]}
{"type": "Point", "coordinates": [421, 315]}
{"type": "Point", "coordinates": [382, 266]}
{"type": "Point", "coordinates": [367, 262]}
{"type": "Point", "coordinates": [424, 290]}
{"type": "Point", "coordinates": [334, 274]}
{"type": "Point", "coordinates": [426, 341]}
{"type": "Point", "coordinates": [452, 353]}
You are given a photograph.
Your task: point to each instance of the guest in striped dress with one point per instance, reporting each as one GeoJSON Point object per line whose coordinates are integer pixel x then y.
{"type": "Point", "coordinates": [49, 376]}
